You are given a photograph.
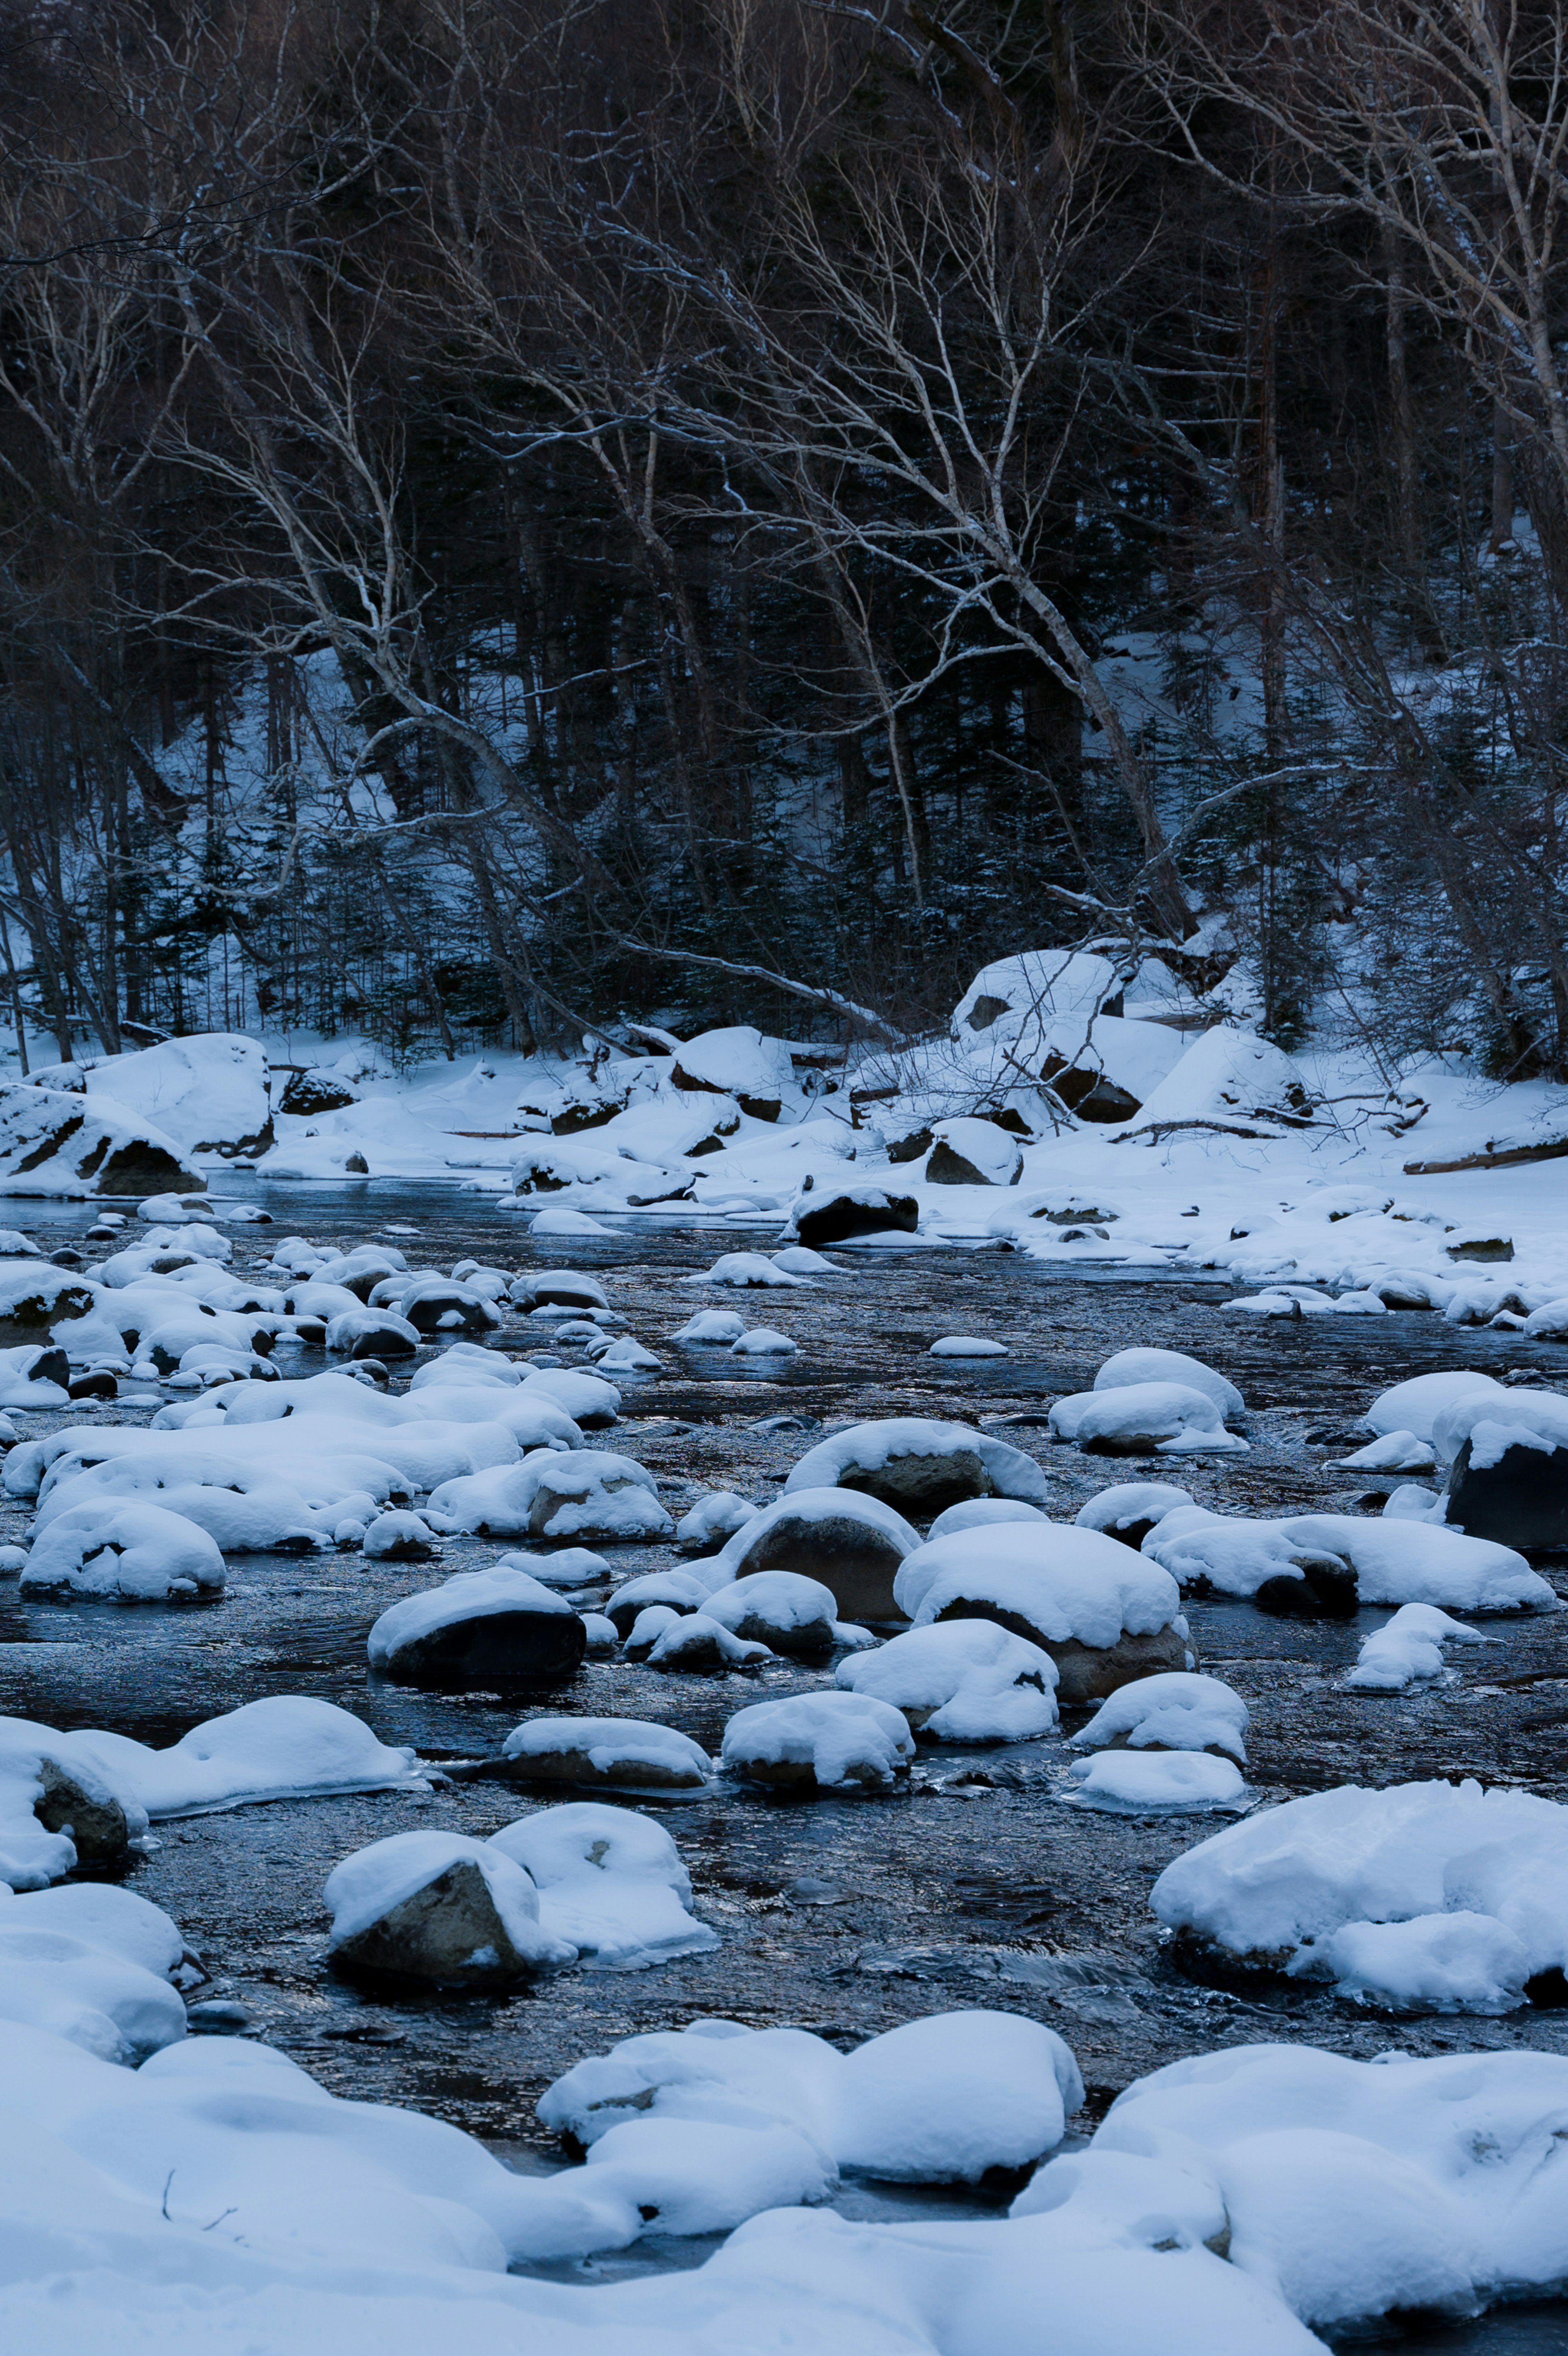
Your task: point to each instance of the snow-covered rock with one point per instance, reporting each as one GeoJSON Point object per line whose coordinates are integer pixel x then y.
{"type": "Point", "coordinates": [1103, 1069]}
{"type": "Point", "coordinates": [1142, 1365]}
{"type": "Point", "coordinates": [1104, 1614]}
{"type": "Point", "coordinates": [568, 1288]}
{"type": "Point", "coordinates": [966, 1681]}
{"type": "Point", "coordinates": [34, 1297]}
{"type": "Point", "coordinates": [713, 1519]}
{"type": "Point", "coordinates": [1014, 1002]}
{"type": "Point", "coordinates": [965, 1346]}
{"type": "Point", "coordinates": [916, 1463]}
{"type": "Point", "coordinates": [284, 1747]}
{"type": "Point", "coordinates": [718, 1327]}
{"type": "Point", "coordinates": [438, 1906]}
{"type": "Point", "coordinates": [819, 1741]}
{"type": "Point", "coordinates": [480, 1630]}
{"type": "Point", "coordinates": [834, 1213]}
{"type": "Point", "coordinates": [211, 1093]}
{"type": "Point", "coordinates": [1130, 1509]}
{"type": "Point", "coordinates": [969, 1153]}
{"type": "Point", "coordinates": [91, 1965]}
{"type": "Point", "coordinates": [629, 1754]}
{"type": "Point", "coordinates": [1435, 1895]}
{"type": "Point", "coordinates": [739, 1062]}
{"type": "Point", "coordinates": [683, 1589]}
{"type": "Point", "coordinates": [983, 1513]}
{"type": "Point", "coordinates": [127, 1552]}
{"type": "Point", "coordinates": [568, 1567]}
{"type": "Point", "coordinates": [1412, 1406]}
{"type": "Point", "coordinates": [1152, 1419]}
{"type": "Point", "coordinates": [1177, 1711]}
{"type": "Point", "coordinates": [741, 1269]}
{"type": "Point", "coordinates": [779, 1609]}
{"type": "Point", "coordinates": [590, 1494]}
{"type": "Point", "coordinates": [946, 2099]}
{"type": "Point", "coordinates": [691, 1641]}
{"type": "Point", "coordinates": [853, 1544]}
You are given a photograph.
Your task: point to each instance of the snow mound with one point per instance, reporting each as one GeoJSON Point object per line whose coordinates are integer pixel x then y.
{"type": "Point", "coordinates": [1152, 1419]}
{"type": "Point", "coordinates": [1284, 1890]}
{"type": "Point", "coordinates": [714, 1517]}
{"type": "Point", "coordinates": [287, 1747]}
{"type": "Point", "coordinates": [964, 1346]}
{"type": "Point", "coordinates": [1228, 1080]}
{"type": "Point", "coordinates": [826, 1742]}
{"type": "Point", "coordinates": [980, 1513]}
{"type": "Point", "coordinates": [1178, 1711]}
{"type": "Point", "coordinates": [742, 1269]}
{"type": "Point", "coordinates": [1077, 1585]}
{"type": "Point", "coordinates": [210, 1092]}
{"type": "Point", "coordinates": [589, 1494]}
{"type": "Point", "coordinates": [967, 1681]}
{"type": "Point", "coordinates": [1414, 1406]}
{"type": "Point", "coordinates": [764, 1342]}
{"type": "Point", "coordinates": [1409, 1650]}
{"type": "Point", "coordinates": [1130, 1509]}
{"type": "Point", "coordinates": [92, 1964]}
{"type": "Point", "coordinates": [1014, 1002]}
{"type": "Point", "coordinates": [610, 1881]}
{"type": "Point", "coordinates": [1157, 1782]}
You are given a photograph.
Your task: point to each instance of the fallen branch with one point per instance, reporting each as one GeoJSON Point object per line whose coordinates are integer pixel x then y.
{"type": "Point", "coordinates": [831, 998]}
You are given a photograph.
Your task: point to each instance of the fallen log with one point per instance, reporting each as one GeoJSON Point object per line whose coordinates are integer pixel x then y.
{"type": "Point", "coordinates": [1494, 1157]}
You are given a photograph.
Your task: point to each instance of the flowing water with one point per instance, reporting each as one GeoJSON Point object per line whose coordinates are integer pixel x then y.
{"type": "Point", "coordinates": [841, 1916]}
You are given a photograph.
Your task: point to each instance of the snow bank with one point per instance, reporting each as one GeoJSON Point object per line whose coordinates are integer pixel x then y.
{"type": "Point", "coordinates": [1304, 1888]}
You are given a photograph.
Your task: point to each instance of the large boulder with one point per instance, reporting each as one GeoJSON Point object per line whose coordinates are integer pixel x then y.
{"type": "Point", "coordinates": [969, 1153]}
{"type": "Point", "coordinates": [964, 1681]}
{"type": "Point", "coordinates": [831, 1214]}
{"type": "Point", "coordinates": [126, 1551]}
{"type": "Point", "coordinates": [780, 1608]}
{"type": "Point", "coordinates": [436, 1906]}
{"type": "Point", "coordinates": [309, 1093]}
{"type": "Point", "coordinates": [35, 1296]}
{"type": "Point", "coordinates": [739, 1062]}
{"type": "Point", "coordinates": [1104, 1614]}
{"type": "Point", "coordinates": [208, 1093]}
{"type": "Point", "coordinates": [484, 1631]}
{"type": "Point", "coordinates": [53, 1142]}
{"type": "Point", "coordinates": [1518, 1497]}
{"type": "Point", "coordinates": [919, 1466]}
{"type": "Point", "coordinates": [851, 1545]}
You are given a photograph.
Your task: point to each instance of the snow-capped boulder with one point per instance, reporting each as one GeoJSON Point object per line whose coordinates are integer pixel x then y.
{"type": "Point", "coordinates": [742, 1269]}
{"type": "Point", "coordinates": [969, 1153]}
{"type": "Point", "coordinates": [398, 1537]}
{"type": "Point", "coordinates": [1104, 1614]}
{"type": "Point", "coordinates": [629, 1754]}
{"type": "Point", "coordinates": [916, 1463]}
{"type": "Point", "coordinates": [588, 1495]}
{"type": "Point", "coordinates": [714, 1327]}
{"type": "Point", "coordinates": [1408, 1562]}
{"type": "Point", "coordinates": [440, 1907]}
{"type": "Point", "coordinates": [967, 1345]}
{"type": "Point", "coordinates": [691, 1641]}
{"type": "Point", "coordinates": [1104, 1069]}
{"type": "Point", "coordinates": [1297, 1576]}
{"type": "Point", "coordinates": [713, 1519]}
{"type": "Point", "coordinates": [588, 1399]}
{"type": "Point", "coordinates": [59, 1807]}
{"type": "Point", "coordinates": [1228, 1080]}
{"type": "Point", "coordinates": [565, 1288]}
{"type": "Point", "coordinates": [853, 1544]}
{"type": "Point", "coordinates": [308, 1093]}
{"type": "Point", "coordinates": [1507, 1456]}
{"type": "Point", "coordinates": [682, 1590]}
{"type": "Point", "coordinates": [1177, 1711]}
{"type": "Point", "coordinates": [482, 1630]}
{"type": "Point", "coordinates": [739, 1062]}
{"type": "Point", "coordinates": [1014, 1002]}
{"type": "Point", "coordinates": [1156, 1418]}
{"type": "Point", "coordinates": [35, 1296]}
{"type": "Point", "coordinates": [965, 1681]}
{"type": "Point", "coordinates": [34, 1375]}
{"type": "Point", "coordinates": [1128, 1510]}
{"type": "Point", "coordinates": [1432, 1895]}
{"type": "Point", "coordinates": [124, 1550]}
{"type": "Point", "coordinates": [1127, 1366]}
{"type": "Point", "coordinates": [91, 1965]}
{"type": "Point", "coordinates": [819, 1741]}
{"type": "Point", "coordinates": [983, 1513]}
{"type": "Point", "coordinates": [833, 1214]}
{"type": "Point", "coordinates": [53, 1143]}
{"type": "Point", "coordinates": [372, 1334]}
{"type": "Point", "coordinates": [211, 1093]}
{"type": "Point", "coordinates": [1414, 1405]}
{"type": "Point", "coordinates": [779, 1609]}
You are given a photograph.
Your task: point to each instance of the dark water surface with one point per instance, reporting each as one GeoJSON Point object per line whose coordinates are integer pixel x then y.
{"type": "Point", "coordinates": [975, 1886]}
